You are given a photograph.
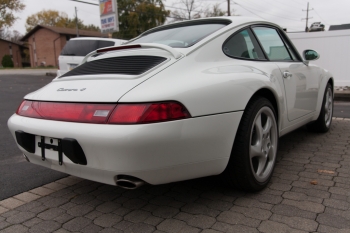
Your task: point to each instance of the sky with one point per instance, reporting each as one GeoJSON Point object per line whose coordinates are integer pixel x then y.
{"type": "Point", "coordinates": [286, 13]}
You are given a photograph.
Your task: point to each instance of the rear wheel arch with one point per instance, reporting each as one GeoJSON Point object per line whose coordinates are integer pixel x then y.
{"type": "Point", "coordinates": [268, 94]}
{"type": "Point", "coordinates": [331, 81]}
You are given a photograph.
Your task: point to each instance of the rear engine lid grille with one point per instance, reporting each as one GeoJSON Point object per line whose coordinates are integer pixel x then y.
{"type": "Point", "coordinates": [127, 65]}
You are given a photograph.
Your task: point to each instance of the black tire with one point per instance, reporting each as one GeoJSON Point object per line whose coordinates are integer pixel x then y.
{"type": "Point", "coordinates": [247, 157]}
{"type": "Point", "coordinates": [324, 120]}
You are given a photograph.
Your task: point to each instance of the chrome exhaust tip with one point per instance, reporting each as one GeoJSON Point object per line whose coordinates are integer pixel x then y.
{"type": "Point", "coordinates": [26, 158]}
{"type": "Point", "coordinates": [128, 182]}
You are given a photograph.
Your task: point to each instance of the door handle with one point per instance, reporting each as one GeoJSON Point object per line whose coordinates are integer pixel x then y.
{"type": "Point", "coordinates": [287, 75]}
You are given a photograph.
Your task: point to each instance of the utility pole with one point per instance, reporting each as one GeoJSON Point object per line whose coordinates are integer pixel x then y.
{"type": "Point", "coordinates": [76, 21]}
{"type": "Point", "coordinates": [228, 8]}
{"type": "Point", "coordinates": [307, 17]}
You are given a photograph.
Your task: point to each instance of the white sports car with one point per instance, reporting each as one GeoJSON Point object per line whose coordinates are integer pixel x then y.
{"type": "Point", "coordinates": [186, 100]}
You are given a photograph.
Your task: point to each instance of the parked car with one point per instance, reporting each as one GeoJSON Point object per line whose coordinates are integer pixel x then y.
{"type": "Point", "coordinates": [317, 26]}
{"type": "Point", "coordinates": [186, 100]}
{"type": "Point", "coordinates": [76, 49]}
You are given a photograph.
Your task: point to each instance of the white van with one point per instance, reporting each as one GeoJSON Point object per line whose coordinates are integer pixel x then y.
{"type": "Point", "coordinates": [76, 49]}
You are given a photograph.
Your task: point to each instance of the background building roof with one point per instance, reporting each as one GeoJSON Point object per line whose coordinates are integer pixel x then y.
{"type": "Point", "coordinates": [339, 27]}
{"type": "Point", "coordinates": [64, 31]}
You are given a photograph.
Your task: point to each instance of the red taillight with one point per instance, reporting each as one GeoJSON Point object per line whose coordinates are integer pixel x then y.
{"type": "Point", "coordinates": [74, 112]}
{"type": "Point", "coordinates": [148, 113]}
{"type": "Point", "coordinates": [103, 113]}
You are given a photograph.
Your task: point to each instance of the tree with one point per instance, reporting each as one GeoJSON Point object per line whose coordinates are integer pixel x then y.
{"type": "Point", "coordinates": [187, 9]}
{"type": "Point", "coordinates": [215, 11]}
{"type": "Point", "coordinates": [56, 19]}
{"type": "Point", "coordinates": [13, 36]}
{"type": "Point", "coordinates": [137, 16]}
{"type": "Point", "coordinates": [7, 61]}
{"type": "Point", "coordinates": [7, 7]}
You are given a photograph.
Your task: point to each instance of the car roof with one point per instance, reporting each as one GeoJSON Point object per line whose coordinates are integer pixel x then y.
{"type": "Point", "coordinates": [232, 20]}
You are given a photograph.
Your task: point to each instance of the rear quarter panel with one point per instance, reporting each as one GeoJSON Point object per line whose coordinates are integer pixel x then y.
{"type": "Point", "coordinates": [208, 82]}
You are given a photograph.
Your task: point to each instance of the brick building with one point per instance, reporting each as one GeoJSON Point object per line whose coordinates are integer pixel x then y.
{"type": "Point", "coordinates": [13, 49]}
{"type": "Point", "coordinates": [45, 43]}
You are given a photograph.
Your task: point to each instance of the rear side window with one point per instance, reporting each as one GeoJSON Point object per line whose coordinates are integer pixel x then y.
{"type": "Point", "coordinates": [272, 43]}
{"type": "Point", "coordinates": [243, 45]}
{"type": "Point", "coordinates": [83, 47]}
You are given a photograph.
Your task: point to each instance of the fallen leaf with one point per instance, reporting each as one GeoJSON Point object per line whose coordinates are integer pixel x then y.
{"type": "Point", "coordinates": [326, 171]}
{"type": "Point", "coordinates": [314, 182]}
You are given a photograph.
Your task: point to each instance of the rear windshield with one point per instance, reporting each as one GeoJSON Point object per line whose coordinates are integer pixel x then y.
{"type": "Point", "coordinates": [180, 37]}
{"type": "Point", "coordinates": [83, 47]}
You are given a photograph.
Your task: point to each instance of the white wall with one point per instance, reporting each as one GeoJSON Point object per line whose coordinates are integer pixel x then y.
{"type": "Point", "coordinates": [334, 48]}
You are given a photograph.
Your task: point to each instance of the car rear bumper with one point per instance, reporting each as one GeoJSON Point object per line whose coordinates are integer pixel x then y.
{"type": "Point", "coordinates": [156, 153]}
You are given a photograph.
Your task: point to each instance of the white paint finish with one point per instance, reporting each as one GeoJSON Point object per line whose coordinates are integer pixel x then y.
{"type": "Point", "coordinates": [212, 86]}
{"type": "Point", "coordinates": [334, 48]}
{"type": "Point", "coordinates": [301, 88]}
{"type": "Point", "coordinates": [126, 149]}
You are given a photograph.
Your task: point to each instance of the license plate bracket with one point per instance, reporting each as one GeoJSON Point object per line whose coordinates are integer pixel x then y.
{"type": "Point", "coordinates": [57, 148]}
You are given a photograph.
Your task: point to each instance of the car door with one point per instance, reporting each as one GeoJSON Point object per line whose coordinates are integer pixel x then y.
{"type": "Point", "coordinates": [301, 82]}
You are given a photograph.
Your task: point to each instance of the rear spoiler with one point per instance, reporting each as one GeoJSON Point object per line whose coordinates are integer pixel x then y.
{"type": "Point", "coordinates": [176, 54]}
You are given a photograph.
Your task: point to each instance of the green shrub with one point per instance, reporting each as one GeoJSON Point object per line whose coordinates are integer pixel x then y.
{"type": "Point", "coordinates": [7, 61]}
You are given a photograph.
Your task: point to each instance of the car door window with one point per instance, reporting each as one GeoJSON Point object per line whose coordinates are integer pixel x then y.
{"type": "Point", "coordinates": [272, 43]}
{"type": "Point", "coordinates": [243, 45]}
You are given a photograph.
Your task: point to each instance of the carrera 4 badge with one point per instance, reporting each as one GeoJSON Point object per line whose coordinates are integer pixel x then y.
{"type": "Point", "coordinates": [63, 89]}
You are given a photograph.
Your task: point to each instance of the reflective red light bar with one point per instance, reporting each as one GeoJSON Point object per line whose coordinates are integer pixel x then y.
{"type": "Point", "coordinates": [148, 113]}
{"type": "Point", "coordinates": [119, 48]}
{"type": "Point", "coordinates": [74, 112]}
{"type": "Point", "coordinates": [104, 113]}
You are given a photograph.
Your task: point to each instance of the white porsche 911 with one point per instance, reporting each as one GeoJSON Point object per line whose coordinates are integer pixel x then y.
{"type": "Point", "coordinates": [186, 100]}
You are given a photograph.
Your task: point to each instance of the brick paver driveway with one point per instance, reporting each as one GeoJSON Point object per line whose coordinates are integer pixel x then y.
{"type": "Point", "coordinates": [310, 192]}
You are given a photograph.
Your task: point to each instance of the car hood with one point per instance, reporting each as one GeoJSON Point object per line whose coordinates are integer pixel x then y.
{"type": "Point", "coordinates": [82, 87]}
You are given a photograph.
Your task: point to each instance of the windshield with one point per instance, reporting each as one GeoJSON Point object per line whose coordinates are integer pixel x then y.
{"type": "Point", "coordinates": [180, 37]}
{"type": "Point", "coordinates": [83, 47]}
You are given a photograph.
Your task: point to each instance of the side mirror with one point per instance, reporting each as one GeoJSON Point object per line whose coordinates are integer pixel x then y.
{"type": "Point", "coordinates": [310, 55]}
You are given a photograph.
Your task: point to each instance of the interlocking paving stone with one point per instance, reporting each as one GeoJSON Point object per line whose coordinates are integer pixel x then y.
{"type": "Point", "coordinates": [82, 199]}
{"type": "Point", "coordinates": [20, 217]}
{"type": "Point", "coordinates": [327, 229]}
{"type": "Point", "coordinates": [63, 218]}
{"type": "Point", "coordinates": [165, 212]}
{"type": "Point", "coordinates": [107, 220]}
{"type": "Point", "coordinates": [195, 208]}
{"type": "Point", "coordinates": [11, 203]}
{"type": "Point", "coordinates": [50, 213]}
{"type": "Point", "coordinates": [107, 207]}
{"type": "Point", "coordinates": [333, 221]}
{"type": "Point", "coordinates": [15, 228]}
{"type": "Point", "coordinates": [4, 224]}
{"type": "Point", "coordinates": [92, 228]}
{"type": "Point", "coordinates": [80, 210]}
{"type": "Point", "coordinates": [290, 203]}
{"type": "Point", "coordinates": [77, 224]}
{"type": "Point", "coordinates": [224, 227]}
{"type": "Point", "coordinates": [137, 216]}
{"type": "Point", "coordinates": [29, 206]}
{"type": "Point", "coordinates": [248, 202]}
{"type": "Point", "coordinates": [140, 228]}
{"type": "Point", "coordinates": [3, 210]}
{"type": "Point", "coordinates": [337, 204]}
{"type": "Point", "coordinates": [231, 217]}
{"type": "Point", "coordinates": [305, 205]}
{"type": "Point", "coordinates": [296, 222]}
{"type": "Point", "coordinates": [27, 197]}
{"type": "Point", "coordinates": [45, 227]}
{"type": "Point", "coordinates": [272, 227]}
{"type": "Point", "coordinates": [32, 222]}
{"type": "Point", "coordinates": [291, 211]}
{"type": "Point", "coordinates": [171, 225]}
